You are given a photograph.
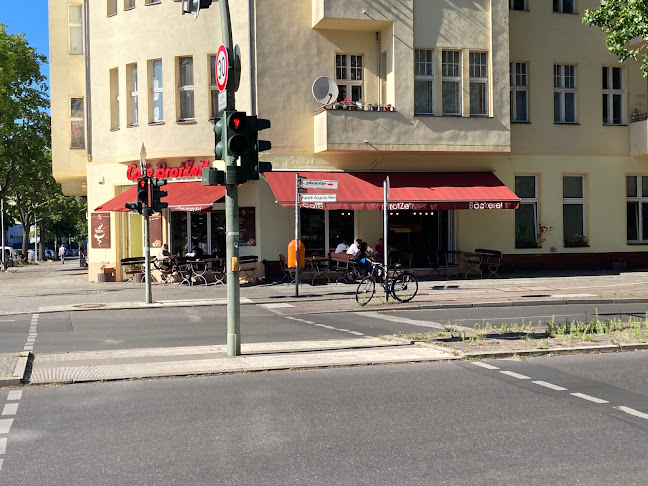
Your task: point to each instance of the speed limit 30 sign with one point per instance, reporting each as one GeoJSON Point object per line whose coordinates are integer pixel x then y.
{"type": "Point", "coordinates": [222, 68]}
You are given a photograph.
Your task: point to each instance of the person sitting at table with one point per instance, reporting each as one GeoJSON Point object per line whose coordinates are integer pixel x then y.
{"type": "Point", "coordinates": [196, 251]}
{"type": "Point", "coordinates": [361, 258]}
{"type": "Point", "coordinates": [355, 247]}
{"type": "Point", "coordinates": [380, 249]}
{"type": "Point", "coordinates": [342, 247]}
{"type": "Point", "coordinates": [163, 261]}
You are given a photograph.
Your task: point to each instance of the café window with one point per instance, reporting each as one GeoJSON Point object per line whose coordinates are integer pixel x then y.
{"type": "Point", "coordinates": [637, 209]}
{"type": "Point", "coordinates": [526, 216]}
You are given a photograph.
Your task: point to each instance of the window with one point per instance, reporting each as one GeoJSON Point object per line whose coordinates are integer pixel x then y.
{"type": "Point", "coordinates": [349, 75]}
{"type": "Point", "coordinates": [451, 82]}
{"type": "Point", "coordinates": [114, 99]}
{"type": "Point", "coordinates": [526, 216]}
{"type": "Point", "coordinates": [574, 211]}
{"type": "Point", "coordinates": [128, 4]}
{"type": "Point", "coordinates": [77, 125]}
{"type": "Point", "coordinates": [517, 5]}
{"type": "Point", "coordinates": [423, 82]}
{"type": "Point", "coordinates": [151, 2]}
{"type": "Point", "coordinates": [131, 74]}
{"type": "Point", "coordinates": [637, 209]}
{"type": "Point", "coordinates": [478, 83]}
{"type": "Point", "coordinates": [612, 96]}
{"type": "Point", "coordinates": [564, 93]}
{"type": "Point", "coordinates": [157, 95]}
{"type": "Point", "coordinates": [213, 88]}
{"type": "Point", "coordinates": [111, 7]}
{"type": "Point", "coordinates": [185, 88]}
{"type": "Point", "coordinates": [564, 6]}
{"type": "Point", "coordinates": [75, 27]}
{"type": "Point", "coordinates": [519, 91]}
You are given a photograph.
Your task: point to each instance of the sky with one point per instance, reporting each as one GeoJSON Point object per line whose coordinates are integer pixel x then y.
{"type": "Point", "coordinates": [30, 18]}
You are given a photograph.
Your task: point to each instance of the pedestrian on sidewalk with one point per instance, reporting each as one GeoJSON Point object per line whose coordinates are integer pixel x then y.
{"type": "Point", "coordinates": [61, 253]}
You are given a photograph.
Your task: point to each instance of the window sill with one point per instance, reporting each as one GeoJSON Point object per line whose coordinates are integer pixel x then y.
{"type": "Point", "coordinates": [577, 245]}
{"type": "Point", "coordinates": [129, 8]}
{"type": "Point", "coordinates": [151, 124]}
{"type": "Point", "coordinates": [134, 125]}
{"type": "Point", "coordinates": [111, 15]}
{"type": "Point", "coordinates": [526, 246]}
{"type": "Point", "coordinates": [186, 122]}
{"type": "Point", "coordinates": [566, 123]}
{"type": "Point", "coordinates": [615, 125]}
{"type": "Point", "coordinates": [77, 148]}
{"type": "Point", "coordinates": [514, 122]}
{"type": "Point", "coordinates": [424, 114]}
{"type": "Point", "coordinates": [114, 129]}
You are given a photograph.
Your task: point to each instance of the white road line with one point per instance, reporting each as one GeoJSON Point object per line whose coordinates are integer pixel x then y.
{"type": "Point", "coordinates": [356, 333]}
{"type": "Point", "coordinates": [5, 425]}
{"type": "Point", "coordinates": [549, 385]}
{"type": "Point", "coordinates": [1, 461]}
{"type": "Point", "coordinates": [7, 320]}
{"type": "Point", "coordinates": [634, 412]}
{"type": "Point", "coordinates": [589, 398]}
{"type": "Point", "coordinates": [3, 446]}
{"type": "Point", "coordinates": [15, 395]}
{"type": "Point", "coordinates": [10, 409]}
{"type": "Point", "coordinates": [515, 375]}
{"type": "Point", "coordinates": [412, 322]}
{"type": "Point", "coordinates": [485, 365]}
{"type": "Point", "coordinates": [28, 348]}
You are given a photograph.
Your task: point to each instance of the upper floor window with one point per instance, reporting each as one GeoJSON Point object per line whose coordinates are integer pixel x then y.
{"type": "Point", "coordinates": [133, 98]}
{"type": "Point", "coordinates": [612, 96]}
{"type": "Point", "coordinates": [128, 4]}
{"type": "Point", "coordinates": [75, 28]}
{"type": "Point", "coordinates": [213, 89]}
{"type": "Point", "coordinates": [519, 91]}
{"type": "Point", "coordinates": [151, 2]}
{"type": "Point", "coordinates": [574, 211]}
{"type": "Point", "coordinates": [564, 6]}
{"type": "Point", "coordinates": [451, 82]}
{"type": "Point", "coordinates": [517, 4]}
{"type": "Point", "coordinates": [564, 93]}
{"type": "Point", "coordinates": [111, 7]}
{"type": "Point", "coordinates": [526, 216]}
{"type": "Point", "coordinates": [637, 209]}
{"type": "Point", "coordinates": [423, 82]}
{"type": "Point", "coordinates": [114, 99]}
{"type": "Point", "coordinates": [185, 88]}
{"type": "Point", "coordinates": [478, 83]}
{"type": "Point", "coordinates": [77, 124]}
{"type": "Point", "coordinates": [156, 101]}
{"type": "Point", "coordinates": [349, 75]}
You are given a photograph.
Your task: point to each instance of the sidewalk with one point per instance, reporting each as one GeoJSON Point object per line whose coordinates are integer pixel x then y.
{"type": "Point", "coordinates": [51, 288]}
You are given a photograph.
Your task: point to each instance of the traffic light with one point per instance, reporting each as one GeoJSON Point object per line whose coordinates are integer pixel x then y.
{"type": "Point", "coordinates": [135, 207]}
{"type": "Point", "coordinates": [157, 195]}
{"type": "Point", "coordinates": [143, 191]}
{"type": "Point", "coordinates": [193, 6]}
{"type": "Point", "coordinates": [250, 161]}
{"type": "Point", "coordinates": [237, 139]}
{"type": "Point", "coordinates": [213, 177]}
{"type": "Point", "coordinates": [220, 131]}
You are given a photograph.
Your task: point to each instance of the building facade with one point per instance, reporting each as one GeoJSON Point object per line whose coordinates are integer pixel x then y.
{"type": "Point", "coordinates": [502, 124]}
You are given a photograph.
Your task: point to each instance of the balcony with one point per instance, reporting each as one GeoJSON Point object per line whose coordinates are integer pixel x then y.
{"type": "Point", "coordinates": [391, 131]}
{"type": "Point", "coordinates": [639, 136]}
{"type": "Point", "coordinates": [358, 15]}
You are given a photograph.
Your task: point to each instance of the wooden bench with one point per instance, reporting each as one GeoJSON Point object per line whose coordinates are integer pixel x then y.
{"type": "Point", "coordinates": [249, 265]}
{"type": "Point", "coordinates": [134, 267]}
{"type": "Point", "coordinates": [342, 265]}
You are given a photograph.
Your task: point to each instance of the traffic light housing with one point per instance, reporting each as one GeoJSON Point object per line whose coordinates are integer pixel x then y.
{"type": "Point", "coordinates": [237, 139]}
{"type": "Point", "coordinates": [250, 164]}
{"type": "Point", "coordinates": [220, 131]}
{"type": "Point", "coordinates": [213, 177]}
{"type": "Point", "coordinates": [156, 195]}
{"type": "Point", "coordinates": [193, 6]}
{"type": "Point", "coordinates": [143, 191]}
{"type": "Point", "coordinates": [135, 207]}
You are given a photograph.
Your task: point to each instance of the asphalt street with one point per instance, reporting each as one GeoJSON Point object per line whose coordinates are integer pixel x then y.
{"type": "Point", "coordinates": [437, 423]}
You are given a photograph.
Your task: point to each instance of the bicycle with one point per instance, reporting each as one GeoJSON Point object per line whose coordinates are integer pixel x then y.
{"type": "Point", "coordinates": [402, 285]}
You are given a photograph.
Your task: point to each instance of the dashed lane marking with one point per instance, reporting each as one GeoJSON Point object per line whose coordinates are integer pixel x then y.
{"type": "Point", "coordinates": [3, 446]}
{"type": "Point", "coordinates": [634, 412]}
{"type": "Point", "coordinates": [549, 385]}
{"type": "Point", "coordinates": [276, 306]}
{"type": "Point", "coordinates": [355, 333]}
{"type": "Point", "coordinates": [5, 425]}
{"type": "Point", "coordinates": [589, 398]}
{"type": "Point", "coordinates": [412, 322]}
{"type": "Point", "coordinates": [10, 409]}
{"type": "Point", "coordinates": [485, 365]}
{"type": "Point", "coordinates": [15, 395]}
{"type": "Point", "coordinates": [515, 375]}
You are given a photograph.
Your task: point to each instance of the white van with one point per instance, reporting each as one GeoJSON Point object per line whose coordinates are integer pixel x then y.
{"type": "Point", "coordinates": [10, 255]}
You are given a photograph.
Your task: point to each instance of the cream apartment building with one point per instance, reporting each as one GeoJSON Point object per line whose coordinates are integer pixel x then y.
{"type": "Point", "coordinates": [492, 118]}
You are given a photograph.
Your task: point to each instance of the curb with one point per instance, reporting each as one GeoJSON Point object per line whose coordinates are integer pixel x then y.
{"type": "Point", "coordinates": [19, 371]}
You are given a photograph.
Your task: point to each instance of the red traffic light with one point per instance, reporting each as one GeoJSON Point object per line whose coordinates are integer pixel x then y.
{"type": "Point", "coordinates": [236, 121]}
{"type": "Point", "coordinates": [142, 183]}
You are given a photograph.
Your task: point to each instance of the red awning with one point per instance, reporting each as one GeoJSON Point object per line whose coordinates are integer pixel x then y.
{"type": "Point", "coordinates": [183, 196]}
{"type": "Point", "coordinates": [409, 190]}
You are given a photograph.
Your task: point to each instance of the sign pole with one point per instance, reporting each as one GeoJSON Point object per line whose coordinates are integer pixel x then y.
{"type": "Point", "coordinates": [385, 231]}
{"type": "Point", "coordinates": [147, 254]}
{"type": "Point", "coordinates": [297, 234]}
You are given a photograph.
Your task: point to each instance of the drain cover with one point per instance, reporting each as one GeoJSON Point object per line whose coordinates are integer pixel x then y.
{"type": "Point", "coordinates": [89, 306]}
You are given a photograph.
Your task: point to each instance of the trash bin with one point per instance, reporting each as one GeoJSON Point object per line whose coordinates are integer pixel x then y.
{"type": "Point", "coordinates": [291, 254]}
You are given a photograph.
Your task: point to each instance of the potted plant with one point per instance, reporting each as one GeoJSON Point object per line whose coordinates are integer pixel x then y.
{"type": "Point", "coordinates": [106, 273]}
{"type": "Point", "coordinates": [346, 103]}
{"type": "Point", "coordinates": [542, 231]}
{"type": "Point", "coordinates": [575, 240]}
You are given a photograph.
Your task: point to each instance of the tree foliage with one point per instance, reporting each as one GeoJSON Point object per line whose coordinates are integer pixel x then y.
{"type": "Point", "coordinates": [623, 21]}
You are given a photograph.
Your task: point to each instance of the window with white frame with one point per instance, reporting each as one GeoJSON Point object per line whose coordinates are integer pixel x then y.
{"type": "Point", "coordinates": [151, 2]}
{"type": "Point", "coordinates": [75, 28]}
{"type": "Point", "coordinates": [133, 99]}
{"type": "Point", "coordinates": [613, 96]}
{"type": "Point", "coordinates": [77, 124]}
{"type": "Point", "coordinates": [564, 93]}
{"type": "Point", "coordinates": [185, 88]}
{"type": "Point", "coordinates": [564, 6]}
{"type": "Point", "coordinates": [519, 91]}
{"type": "Point", "coordinates": [574, 231]}
{"type": "Point", "coordinates": [213, 88]}
{"type": "Point", "coordinates": [526, 216]}
{"type": "Point", "coordinates": [423, 82]}
{"type": "Point", "coordinates": [156, 101]}
{"type": "Point", "coordinates": [517, 4]}
{"type": "Point", "coordinates": [637, 209]}
{"type": "Point", "coordinates": [349, 76]}
{"type": "Point", "coordinates": [114, 99]}
{"type": "Point", "coordinates": [451, 82]}
{"type": "Point", "coordinates": [111, 7]}
{"type": "Point", "coordinates": [478, 83]}
{"type": "Point", "coordinates": [128, 4]}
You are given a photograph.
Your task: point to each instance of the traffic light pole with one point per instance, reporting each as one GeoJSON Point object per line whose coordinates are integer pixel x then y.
{"type": "Point", "coordinates": [146, 212]}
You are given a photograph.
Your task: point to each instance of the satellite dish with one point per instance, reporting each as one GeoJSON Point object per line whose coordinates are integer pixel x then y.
{"type": "Point", "coordinates": [325, 90]}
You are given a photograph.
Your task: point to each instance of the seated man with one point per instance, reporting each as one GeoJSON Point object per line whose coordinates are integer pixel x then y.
{"type": "Point", "coordinates": [196, 251]}
{"type": "Point", "coordinates": [163, 260]}
{"type": "Point", "coordinates": [361, 259]}
{"type": "Point", "coordinates": [342, 247]}
{"type": "Point", "coordinates": [380, 249]}
{"type": "Point", "coordinates": [353, 249]}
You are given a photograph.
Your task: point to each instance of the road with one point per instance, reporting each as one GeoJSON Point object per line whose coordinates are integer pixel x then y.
{"type": "Point", "coordinates": [437, 423]}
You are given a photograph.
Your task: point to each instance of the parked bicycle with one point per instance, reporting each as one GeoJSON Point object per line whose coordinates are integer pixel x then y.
{"type": "Point", "coordinates": [402, 284]}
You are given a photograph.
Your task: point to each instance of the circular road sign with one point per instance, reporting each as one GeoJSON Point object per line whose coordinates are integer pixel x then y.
{"type": "Point", "coordinates": [222, 67]}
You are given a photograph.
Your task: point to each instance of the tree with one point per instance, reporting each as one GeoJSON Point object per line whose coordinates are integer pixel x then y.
{"type": "Point", "coordinates": [623, 21]}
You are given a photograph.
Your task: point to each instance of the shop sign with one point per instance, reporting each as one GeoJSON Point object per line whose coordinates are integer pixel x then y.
{"type": "Point", "coordinates": [100, 230]}
{"type": "Point", "coordinates": [187, 168]}
{"type": "Point", "coordinates": [401, 206]}
{"type": "Point", "coordinates": [486, 205]}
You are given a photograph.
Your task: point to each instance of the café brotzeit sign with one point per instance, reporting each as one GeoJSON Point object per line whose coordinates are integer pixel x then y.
{"type": "Point", "coordinates": [187, 168]}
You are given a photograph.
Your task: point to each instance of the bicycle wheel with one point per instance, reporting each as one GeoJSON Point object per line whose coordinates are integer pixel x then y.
{"type": "Point", "coordinates": [365, 291]}
{"type": "Point", "coordinates": [404, 287]}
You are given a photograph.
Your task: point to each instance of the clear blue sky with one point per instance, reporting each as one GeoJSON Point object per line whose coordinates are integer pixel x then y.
{"type": "Point", "coordinates": [29, 17]}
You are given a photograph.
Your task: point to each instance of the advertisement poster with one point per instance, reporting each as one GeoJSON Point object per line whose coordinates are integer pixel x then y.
{"type": "Point", "coordinates": [155, 228]}
{"type": "Point", "coordinates": [100, 230]}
